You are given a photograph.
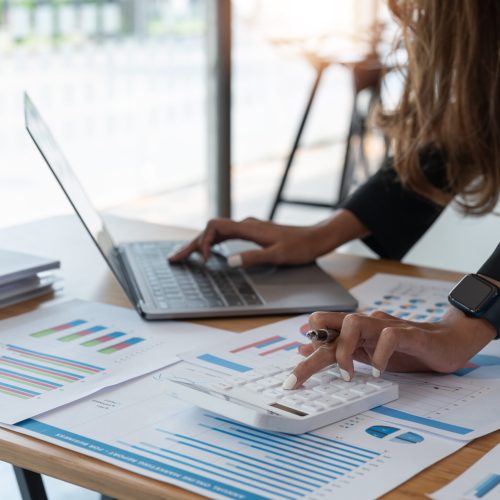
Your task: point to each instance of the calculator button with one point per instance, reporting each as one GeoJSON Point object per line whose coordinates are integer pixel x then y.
{"type": "Point", "coordinates": [323, 377]}
{"type": "Point", "coordinates": [330, 402]}
{"type": "Point", "coordinates": [252, 376]}
{"type": "Point", "coordinates": [322, 389]}
{"type": "Point", "coordinates": [345, 395]}
{"type": "Point", "coordinates": [290, 402]}
{"type": "Point", "coordinates": [282, 376]}
{"type": "Point", "coordinates": [309, 384]}
{"type": "Point", "coordinates": [378, 383]}
{"type": "Point", "coordinates": [364, 389]}
{"type": "Point", "coordinates": [270, 382]}
{"type": "Point", "coordinates": [254, 387]}
{"type": "Point", "coordinates": [278, 380]}
{"type": "Point", "coordinates": [274, 393]}
{"type": "Point", "coordinates": [312, 407]}
{"type": "Point", "coordinates": [334, 372]}
{"type": "Point", "coordinates": [308, 394]}
{"type": "Point", "coordinates": [221, 386]}
{"type": "Point", "coordinates": [340, 384]}
{"type": "Point", "coordinates": [269, 371]}
{"type": "Point", "coordinates": [293, 400]}
{"type": "Point", "coordinates": [238, 381]}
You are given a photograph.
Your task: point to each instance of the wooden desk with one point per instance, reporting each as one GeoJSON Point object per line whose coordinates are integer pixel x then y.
{"type": "Point", "coordinates": [86, 276]}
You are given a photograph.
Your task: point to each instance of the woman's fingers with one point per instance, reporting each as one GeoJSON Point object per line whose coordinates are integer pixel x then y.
{"type": "Point", "coordinates": [374, 339]}
{"type": "Point", "coordinates": [380, 332]}
{"type": "Point", "coordinates": [253, 257]}
{"type": "Point", "coordinates": [322, 357]}
{"type": "Point", "coordinates": [306, 349]}
{"type": "Point", "coordinates": [378, 339]}
{"type": "Point", "coordinates": [321, 319]}
{"type": "Point", "coordinates": [353, 327]}
{"type": "Point", "coordinates": [318, 320]}
{"type": "Point", "coordinates": [388, 342]}
{"type": "Point", "coordinates": [218, 230]}
{"type": "Point", "coordinates": [319, 354]}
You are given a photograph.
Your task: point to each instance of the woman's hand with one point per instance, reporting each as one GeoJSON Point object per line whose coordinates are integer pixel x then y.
{"type": "Point", "coordinates": [389, 343]}
{"type": "Point", "coordinates": [281, 245]}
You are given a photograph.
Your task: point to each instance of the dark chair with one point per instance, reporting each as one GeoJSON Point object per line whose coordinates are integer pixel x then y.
{"type": "Point", "coordinates": [366, 76]}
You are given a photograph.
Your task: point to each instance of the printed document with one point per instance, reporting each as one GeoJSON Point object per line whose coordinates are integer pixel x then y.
{"type": "Point", "coordinates": [53, 356]}
{"type": "Point", "coordinates": [482, 480]}
{"type": "Point", "coordinates": [137, 427]}
{"type": "Point", "coordinates": [443, 404]}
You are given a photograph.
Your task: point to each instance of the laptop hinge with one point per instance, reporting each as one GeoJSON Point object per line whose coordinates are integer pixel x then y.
{"type": "Point", "coordinates": [130, 284]}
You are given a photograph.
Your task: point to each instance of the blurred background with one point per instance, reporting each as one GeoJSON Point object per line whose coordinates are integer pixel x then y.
{"type": "Point", "coordinates": [123, 85]}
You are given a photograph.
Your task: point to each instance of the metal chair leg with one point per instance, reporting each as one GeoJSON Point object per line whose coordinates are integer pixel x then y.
{"type": "Point", "coordinates": [348, 165]}
{"type": "Point", "coordinates": [354, 146]}
{"type": "Point", "coordinates": [278, 198]}
{"type": "Point", "coordinates": [30, 484]}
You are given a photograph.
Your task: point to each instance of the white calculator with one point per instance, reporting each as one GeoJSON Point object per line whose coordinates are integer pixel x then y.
{"type": "Point", "coordinates": [257, 399]}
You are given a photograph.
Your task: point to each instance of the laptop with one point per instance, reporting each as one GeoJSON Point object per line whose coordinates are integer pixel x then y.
{"type": "Point", "coordinates": [192, 289]}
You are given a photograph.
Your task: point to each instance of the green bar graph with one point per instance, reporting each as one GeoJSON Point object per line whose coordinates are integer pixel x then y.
{"type": "Point", "coordinates": [58, 328]}
{"type": "Point", "coordinates": [104, 338]}
{"type": "Point", "coordinates": [83, 333]}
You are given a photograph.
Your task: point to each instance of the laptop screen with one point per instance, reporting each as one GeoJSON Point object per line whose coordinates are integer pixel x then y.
{"type": "Point", "coordinates": [55, 159]}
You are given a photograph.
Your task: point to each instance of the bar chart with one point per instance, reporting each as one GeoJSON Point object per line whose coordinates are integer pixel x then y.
{"type": "Point", "coordinates": [51, 357]}
{"type": "Point", "coordinates": [271, 465]}
{"type": "Point", "coordinates": [59, 328]}
{"type": "Point", "coordinates": [83, 333]}
{"type": "Point", "coordinates": [171, 441]}
{"type": "Point", "coordinates": [103, 339]}
{"type": "Point", "coordinates": [413, 299]}
{"type": "Point", "coordinates": [249, 351]}
{"type": "Point", "coordinates": [480, 361]}
{"type": "Point", "coordinates": [485, 486]}
{"type": "Point", "coordinates": [32, 373]}
{"type": "Point", "coordinates": [73, 332]}
{"type": "Point", "coordinates": [122, 345]}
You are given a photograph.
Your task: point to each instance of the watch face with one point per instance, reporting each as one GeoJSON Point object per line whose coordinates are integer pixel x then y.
{"type": "Point", "coordinates": [473, 293]}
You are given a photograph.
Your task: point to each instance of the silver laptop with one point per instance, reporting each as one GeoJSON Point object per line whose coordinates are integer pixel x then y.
{"type": "Point", "coordinates": [193, 289]}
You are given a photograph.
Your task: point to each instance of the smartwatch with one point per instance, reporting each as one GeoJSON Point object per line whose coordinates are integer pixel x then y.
{"type": "Point", "coordinates": [479, 298]}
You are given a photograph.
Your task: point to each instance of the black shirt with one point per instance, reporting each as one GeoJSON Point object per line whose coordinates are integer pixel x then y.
{"type": "Point", "coordinates": [398, 217]}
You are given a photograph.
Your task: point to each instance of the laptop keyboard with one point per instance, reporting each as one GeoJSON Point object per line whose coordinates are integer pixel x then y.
{"type": "Point", "coordinates": [193, 283]}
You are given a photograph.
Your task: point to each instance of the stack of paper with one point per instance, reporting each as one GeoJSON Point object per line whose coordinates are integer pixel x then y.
{"type": "Point", "coordinates": [24, 276]}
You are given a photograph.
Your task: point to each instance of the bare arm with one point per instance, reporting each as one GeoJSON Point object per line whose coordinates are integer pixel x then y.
{"type": "Point", "coordinates": [389, 343]}
{"type": "Point", "coordinates": [280, 244]}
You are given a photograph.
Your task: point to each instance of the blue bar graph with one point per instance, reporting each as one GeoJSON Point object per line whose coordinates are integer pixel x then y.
{"type": "Point", "coordinates": [429, 422]}
{"type": "Point", "coordinates": [485, 486]}
{"type": "Point", "coordinates": [332, 458]}
{"type": "Point", "coordinates": [141, 461]}
{"type": "Point", "coordinates": [270, 342]}
{"type": "Point", "coordinates": [324, 477]}
{"type": "Point", "coordinates": [204, 469]}
{"type": "Point", "coordinates": [215, 360]}
{"type": "Point", "coordinates": [233, 460]}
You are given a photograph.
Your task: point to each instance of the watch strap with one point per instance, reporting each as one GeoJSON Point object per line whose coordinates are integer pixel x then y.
{"type": "Point", "coordinates": [492, 314]}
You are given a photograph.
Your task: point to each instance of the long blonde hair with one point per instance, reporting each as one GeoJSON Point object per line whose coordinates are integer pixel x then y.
{"type": "Point", "coordinates": [451, 99]}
